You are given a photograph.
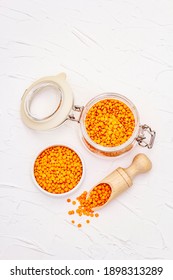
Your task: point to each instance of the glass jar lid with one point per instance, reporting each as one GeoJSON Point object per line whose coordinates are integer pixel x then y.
{"type": "Point", "coordinates": [47, 103]}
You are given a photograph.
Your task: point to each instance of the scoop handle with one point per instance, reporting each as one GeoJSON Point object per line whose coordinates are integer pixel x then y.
{"type": "Point", "coordinates": [122, 178]}
{"type": "Point", "coordinates": [140, 164]}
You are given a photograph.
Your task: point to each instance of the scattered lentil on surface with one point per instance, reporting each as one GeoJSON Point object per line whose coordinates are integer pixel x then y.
{"type": "Point", "coordinates": [109, 122]}
{"type": "Point", "coordinates": [58, 169]}
{"type": "Point", "coordinates": [98, 196]}
{"type": "Point", "coordinates": [71, 212]}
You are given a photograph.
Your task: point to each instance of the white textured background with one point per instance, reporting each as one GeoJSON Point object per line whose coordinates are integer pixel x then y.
{"type": "Point", "coordinates": [102, 45]}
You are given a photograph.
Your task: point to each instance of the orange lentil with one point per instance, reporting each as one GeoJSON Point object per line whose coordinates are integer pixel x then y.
{"type": "Point", "coordinates": [71, 212]}
{"type": "Point", "coordinates": [68, 200]}
{"type": "Point", "coordinates": [73, 222]}
{"type": "Point", "coordinates": [87, 221]}
{"type": "Point", "coordinates": [79, 225]}
{"type": "Point", "coordinates": [58, 169]}
{"type": "Point", "coordinates": [73, 202]}
{"type": "Point", "coordinates": [109, 122]}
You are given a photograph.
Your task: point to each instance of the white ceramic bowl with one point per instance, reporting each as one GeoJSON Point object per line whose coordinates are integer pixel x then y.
{"type": "Point", "coordinates": [60, 194]}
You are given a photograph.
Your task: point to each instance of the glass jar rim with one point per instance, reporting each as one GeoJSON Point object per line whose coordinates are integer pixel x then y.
{"type": "Point", "coordinates": [34, 91]}
{"type": "Point", "coordinates": [104, 96]}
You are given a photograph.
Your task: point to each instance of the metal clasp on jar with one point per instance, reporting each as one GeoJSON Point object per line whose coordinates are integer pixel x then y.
{"type": "Point", "coordinates": [76, 110]}
{"type": "Point", "coordinates": [146, 136]}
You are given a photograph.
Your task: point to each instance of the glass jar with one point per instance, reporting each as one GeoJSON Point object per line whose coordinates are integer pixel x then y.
{"type": "Point", "coordinates": [103, 150]}
{"type": "Point", "coordinates": [66, 110]}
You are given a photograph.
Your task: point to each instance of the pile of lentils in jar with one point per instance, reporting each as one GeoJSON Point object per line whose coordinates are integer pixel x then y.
{"type": "Point", "coordinates": [109, 122]}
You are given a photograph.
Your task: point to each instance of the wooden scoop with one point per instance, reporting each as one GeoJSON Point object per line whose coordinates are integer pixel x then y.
{"type": "Point", "coordinates": [122, 178]}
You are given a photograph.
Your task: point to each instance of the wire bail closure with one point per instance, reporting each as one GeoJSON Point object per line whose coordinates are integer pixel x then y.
{"type": "Point", "coordinates": [75, 111]}
{"type": "Point", "coordinates": [145, 140]}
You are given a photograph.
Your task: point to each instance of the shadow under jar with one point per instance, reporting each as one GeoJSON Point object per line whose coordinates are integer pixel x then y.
{"type": "Point", "coordinates": [109, 122]}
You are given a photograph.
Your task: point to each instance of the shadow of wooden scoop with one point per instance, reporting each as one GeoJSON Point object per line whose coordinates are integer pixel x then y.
{"type": "Point", "coordinates": [122, 178]}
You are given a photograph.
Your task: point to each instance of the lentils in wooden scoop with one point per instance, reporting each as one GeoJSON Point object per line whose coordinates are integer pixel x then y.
{"type": "Point", "coordinates": [97, 197]}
